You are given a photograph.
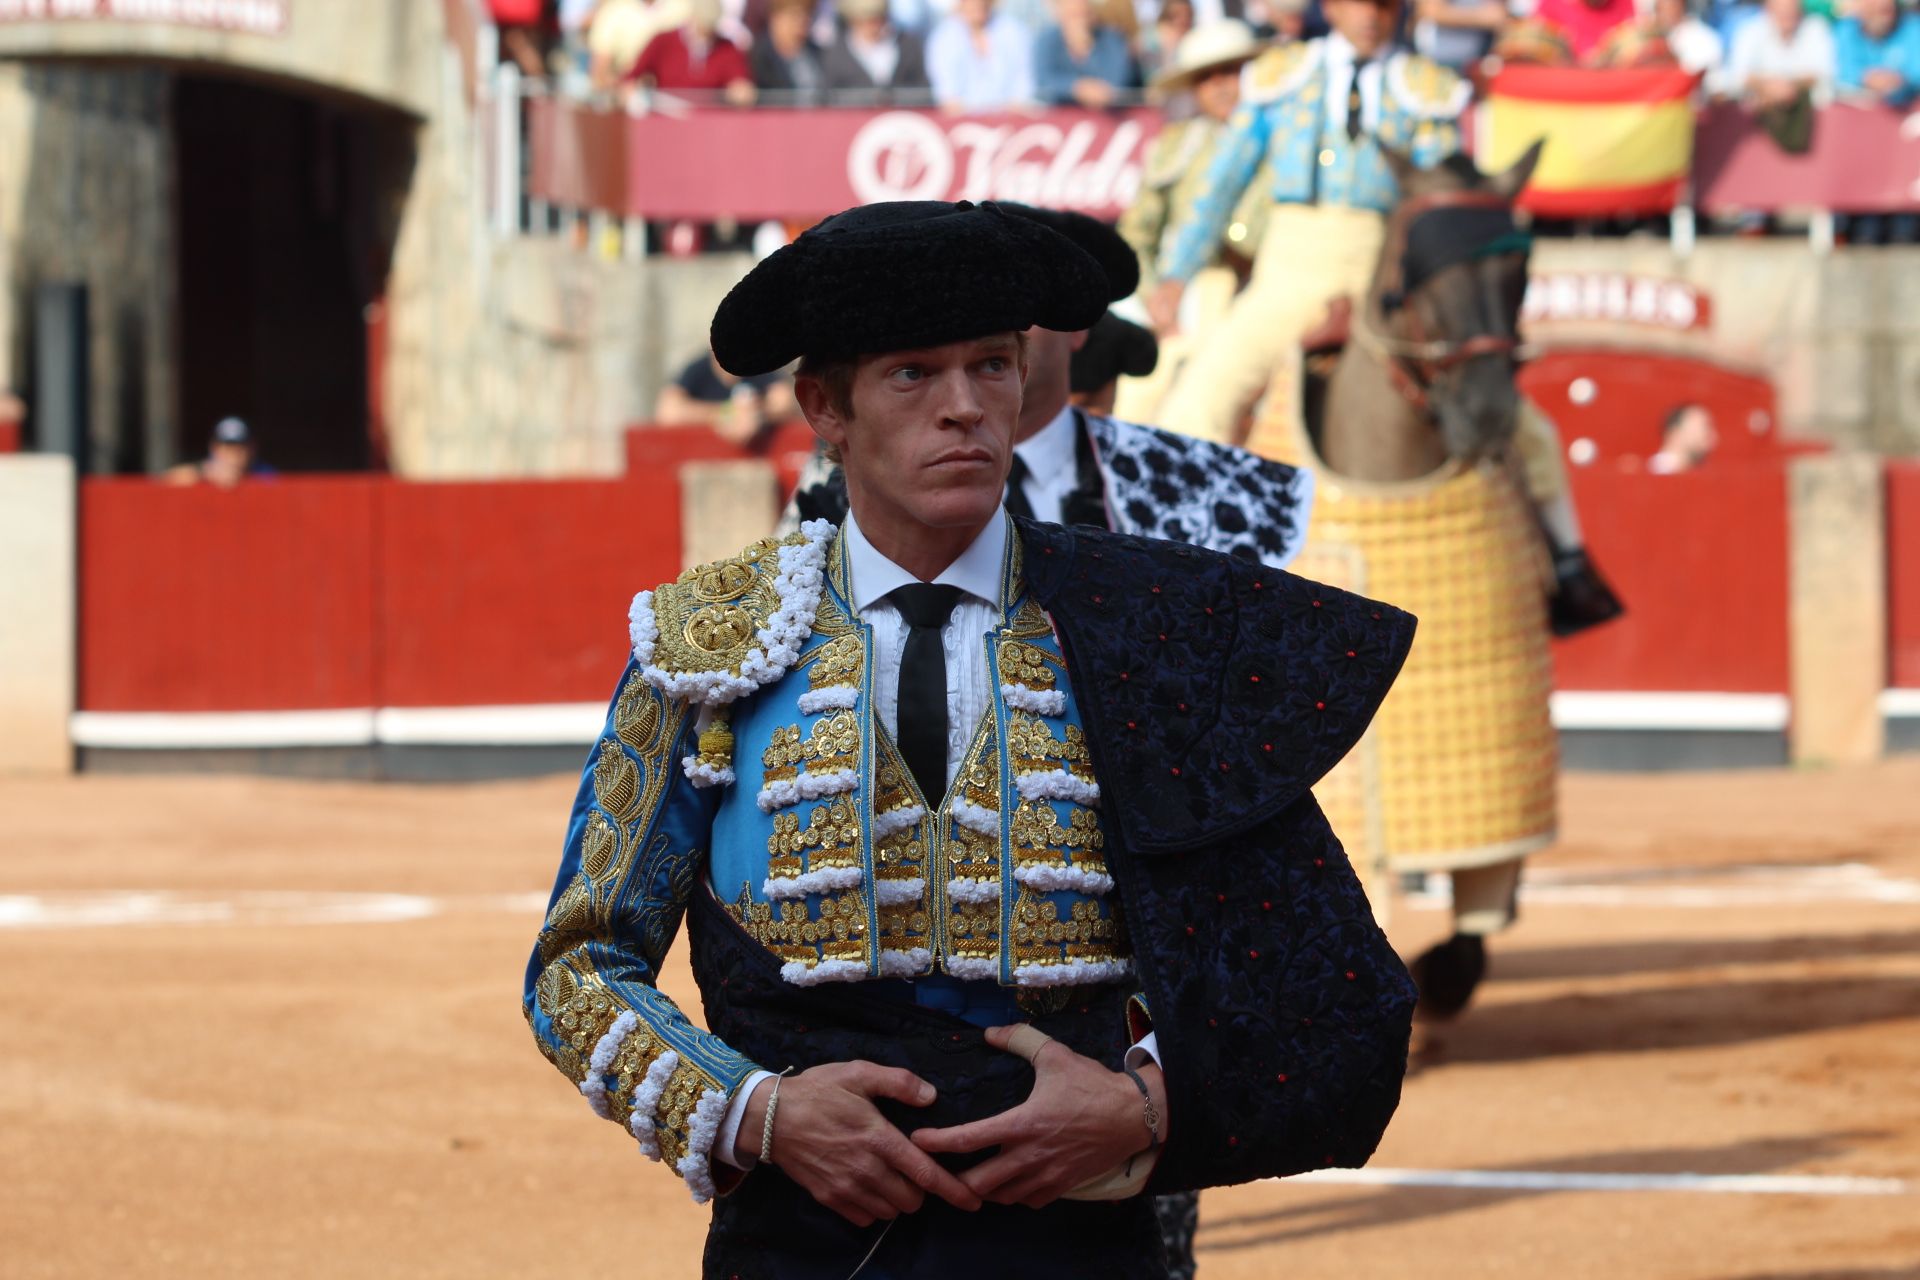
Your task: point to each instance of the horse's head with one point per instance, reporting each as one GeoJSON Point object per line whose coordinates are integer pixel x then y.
{"type": "Point", "coordinates": [1446, 297]}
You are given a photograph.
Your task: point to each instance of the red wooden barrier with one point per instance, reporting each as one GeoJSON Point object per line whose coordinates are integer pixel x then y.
{"type": "Point", "coordinates": [655, 451]}
{"type": "Point", "coordinates": [1903, 574]}
{"type": "Point", "coordinates": [358, 592]}
{"type": "Point", "coordinates": [515, 593]}
{"type": "Point", "coordinates": [204, 599]}
{"type": "Point", "coordinates": [1701, 561]}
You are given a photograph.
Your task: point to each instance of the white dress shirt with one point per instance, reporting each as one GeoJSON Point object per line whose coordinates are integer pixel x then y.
{"type": "Point", "coordinates": [871, 576]}
{"type": "Point", "coordinates": [1053, 466]}
{"type": "Point", "coordinates": [1340, 56]}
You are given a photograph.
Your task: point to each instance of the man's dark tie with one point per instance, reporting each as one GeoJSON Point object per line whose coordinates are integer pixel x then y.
{"type": "Point", "coordinates": [1017, 488]}
{"type": "Point", "coordinates": [1356, 106]}
{"type": "Point", "coordinates": [922, 722]}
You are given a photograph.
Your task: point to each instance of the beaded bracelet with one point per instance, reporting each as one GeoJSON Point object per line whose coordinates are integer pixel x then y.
{"type": "Point", "coordinates": [766, 1129]}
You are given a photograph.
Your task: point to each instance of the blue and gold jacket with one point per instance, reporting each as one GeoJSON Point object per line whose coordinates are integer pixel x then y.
{"type": "Point", "coordinates": [1283, 120]}
{"type": "Point", "coordinates": [741, 757]}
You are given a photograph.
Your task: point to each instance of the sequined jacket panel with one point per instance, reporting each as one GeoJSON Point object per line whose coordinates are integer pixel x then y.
{"type": "Point", "coordinates": [1215, 692]}
{"type": "Point", "coordinates": [826, 852]}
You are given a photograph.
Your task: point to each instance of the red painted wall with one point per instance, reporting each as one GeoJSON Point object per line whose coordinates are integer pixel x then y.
{"type": "Point", "coordinates": [1701, 562]}
{"type": "Point", "coordinates": [503, 593]}
{"type": "Point", "coordinates": [209, 599]}
{"type": "Point", "coordinates": [656, 451]}
{"type": "Point", "coordinates": [359, 592]}
{"type": "Point", "coordinates": [1903, 574]}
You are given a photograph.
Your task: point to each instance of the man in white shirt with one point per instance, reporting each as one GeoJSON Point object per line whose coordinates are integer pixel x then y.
{"type": "Point", "coordinates": [1780, 56]}
{"type": "Point", "coordinates": [907, 781]}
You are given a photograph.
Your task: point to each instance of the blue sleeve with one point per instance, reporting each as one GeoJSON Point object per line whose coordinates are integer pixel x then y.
{"type": "Point", "coordinates": [1197, 230]}
{"type": "Point", "coordinates": [1849, 55]}
{"type": "Point", "coordinates": [635, 852]}
{"type": "Point", "coordinates": [945, 76]}
{"type": "Point", "coordinates": [1053, 71]}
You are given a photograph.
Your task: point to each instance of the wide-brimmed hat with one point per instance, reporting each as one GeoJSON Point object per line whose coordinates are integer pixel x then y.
{"type": "Point", "coordinates": [1226, 43]}
{"type": "Point", "coordinates": [905, 275]}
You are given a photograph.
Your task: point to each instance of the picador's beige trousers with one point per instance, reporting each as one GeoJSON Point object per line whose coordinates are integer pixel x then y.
{"type": "Point", "coordinates": [1310, 255]}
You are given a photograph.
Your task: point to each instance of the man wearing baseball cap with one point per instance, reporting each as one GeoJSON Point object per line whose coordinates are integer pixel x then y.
{"type": "Point", "coordinates": [1003, 882]}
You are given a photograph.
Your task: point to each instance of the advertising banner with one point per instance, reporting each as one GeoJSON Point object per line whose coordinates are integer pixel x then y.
{"type": "Point", "coordinates": [256, 17]}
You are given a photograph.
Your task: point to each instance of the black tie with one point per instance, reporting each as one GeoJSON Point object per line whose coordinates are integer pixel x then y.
{"type": "Point", "coordinates": [1355, 105]}
{"type": "Point", "coordinates": [1017, 488]}
{"type": "Point", "coordinates": [922, 717]}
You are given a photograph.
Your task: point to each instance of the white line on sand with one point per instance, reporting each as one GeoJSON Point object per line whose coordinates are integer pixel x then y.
{"type": "Point", "coordinates": [1708, 887]}
{"type": "Point", "coordinates": [1752, 1184]}
{"type": "Point", "coordinates": [120, 909]}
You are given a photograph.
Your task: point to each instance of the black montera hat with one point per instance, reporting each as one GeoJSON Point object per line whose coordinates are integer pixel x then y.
{"type": "Point", "coordinates": [1115, 346]}
{"type": "Point", "coordinates": [1115, 256]}
{"type": "Point", "coordinates": [901, 275]}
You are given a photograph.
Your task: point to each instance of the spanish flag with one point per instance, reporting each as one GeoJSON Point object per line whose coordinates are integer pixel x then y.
{"type": "Point", "coordinates": [1619, 141]}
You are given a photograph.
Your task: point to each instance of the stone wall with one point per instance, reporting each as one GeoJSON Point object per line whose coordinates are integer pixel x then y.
{"type": "Point", "coordinates": [85, 197]}
{"type": "Point", "coordinates": [378, 49]}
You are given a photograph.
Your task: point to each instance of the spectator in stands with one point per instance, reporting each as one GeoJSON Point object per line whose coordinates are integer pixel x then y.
{"type": "Point", "coordinates": [1585, 23]}
{"type": "Point", "coordinates": [1877, 61]}
{"type": "Point", "coordinates": [785, 62]}
{"type": "Point", "coordinates": [741, 410]}
{"type": "Point", "coordinates": [1687, 440]}
{"type": "Point", "coordinates": [696, 58]}
{"type": "Point", "coordinates": [873, 62]}
{"type": "Point", "coordinates": [1458, 33]}
{"type": "Point", "coordinates": [1782, 62]}
{"type": "Point", "coordinates": [1281, 21]}
{"type": "Point", "coordinates": [622, 30]}
{"type": "Point", "coordinates": [1163, 37]}
{"type": "Point", "coordinates": [979, 60]}
{"type": "Point", "coordinates": [1877, 54]}
{"type": "Point", "coordinates": [1696, 46]}
{"type": "Point", "coordinates": [230, 459]}
{"type": "Point", "coordinates": [522, 33]}
{"type": "Point", "coordinates": [1079, 61]}
{"type": "Point", "coordinates": [576, 61]}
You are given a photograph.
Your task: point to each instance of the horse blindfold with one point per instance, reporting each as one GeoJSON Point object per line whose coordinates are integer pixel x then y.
{"type": "Point", "coordinates": [1445, 237]}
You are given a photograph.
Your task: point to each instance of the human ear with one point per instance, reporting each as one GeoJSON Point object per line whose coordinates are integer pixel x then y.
{"type": "Point", "coordinates": [817, 407]}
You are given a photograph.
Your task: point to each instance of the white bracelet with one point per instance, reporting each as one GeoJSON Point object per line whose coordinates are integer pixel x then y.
{"type": "Point", "coordinates": [766, 1129]}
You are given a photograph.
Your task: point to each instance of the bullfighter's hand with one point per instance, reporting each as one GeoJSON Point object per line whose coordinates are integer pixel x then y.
{"type": "Point", "coordinates": [1079, 1123]}
{"type": "Point", "coordinates": [830, 1138]}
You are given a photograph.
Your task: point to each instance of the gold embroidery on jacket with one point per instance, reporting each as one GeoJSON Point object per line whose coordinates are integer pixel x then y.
{"type": "Point", "coordinates": [833, 745]}
{"type": "Point", "coordinates": [839, 662]}
{"type": "Point", "coordinates": [1027, 664]}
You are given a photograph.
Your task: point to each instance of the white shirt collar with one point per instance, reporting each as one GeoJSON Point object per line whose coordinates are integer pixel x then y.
{"type": "Point", "coordinates": [871, 576]}
{"type": "Point", "coordinates": [1049, 451]}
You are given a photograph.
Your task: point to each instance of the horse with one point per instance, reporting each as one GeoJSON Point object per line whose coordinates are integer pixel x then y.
{"type": "Point", "coordinates": [1414, 436]}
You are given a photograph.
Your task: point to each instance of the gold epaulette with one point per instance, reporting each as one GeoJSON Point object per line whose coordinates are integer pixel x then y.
{"type": "Point", "coordinates": [720, 630]}
{"type": "Point", "coordinates": [1426, 88]}
{"type": "Point", "coordinates": [1279, 71]}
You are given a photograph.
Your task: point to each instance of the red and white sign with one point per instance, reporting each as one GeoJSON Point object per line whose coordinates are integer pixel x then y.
{"type": "Point", "coordinates": [1611, 297]}
{"type": "Point", "coordinates": [256, 17]}
{"type": "Point", "coordinates": [798, 165]}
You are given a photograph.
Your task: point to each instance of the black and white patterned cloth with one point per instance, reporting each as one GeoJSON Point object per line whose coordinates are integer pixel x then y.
{"type": "Point", "coordinates": [1160, 484]}
{"type": "Point", "coordinates": [1149, 482]}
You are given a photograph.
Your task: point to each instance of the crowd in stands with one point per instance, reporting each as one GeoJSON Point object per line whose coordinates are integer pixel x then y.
{"type": "Point", "coordinates": [987, 55]}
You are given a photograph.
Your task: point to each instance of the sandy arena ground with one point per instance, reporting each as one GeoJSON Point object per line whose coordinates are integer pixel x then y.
{"type": "Point", "coordinates": [307, 1058]}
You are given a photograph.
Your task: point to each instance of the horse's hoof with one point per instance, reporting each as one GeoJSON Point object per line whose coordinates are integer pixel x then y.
{"type": "Point", "coordinates": [1581, 597]}
{"type": "Point", "coordinates": [1448, 972]}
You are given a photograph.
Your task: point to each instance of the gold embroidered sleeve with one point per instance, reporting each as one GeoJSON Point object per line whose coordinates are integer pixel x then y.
{"type": "Point", "coordinates": [634, 855]}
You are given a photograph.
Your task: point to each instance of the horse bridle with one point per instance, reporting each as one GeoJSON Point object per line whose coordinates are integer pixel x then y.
{"type": "Point", "coordinates": [1415, 362]}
